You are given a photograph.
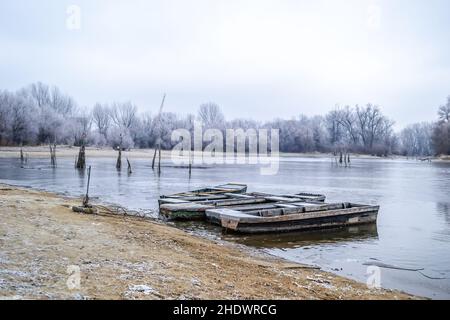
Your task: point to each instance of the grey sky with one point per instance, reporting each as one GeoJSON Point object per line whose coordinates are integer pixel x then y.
{"type": "Point", "coordinates": [257, 59]}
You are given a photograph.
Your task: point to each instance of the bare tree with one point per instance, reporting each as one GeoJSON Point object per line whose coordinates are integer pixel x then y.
{"type": "Point", "coordinates": [5, 113]}
{"type": "Point", "coordinates": [371, 125]}
{"type": "Point", "coordinates": [80, 128]}
{"type": "Point", "coordinates": [444, 111]}
{"type": "Point", "coordinates": [441, 131]}
{"type": "Point", "coordinates": [211, 115]}
{"type": "Point", "coordinates": [416, 139]}
{"type": "Point", "coordinates": [441, 138]}
{"type": "Point", "coordinates": [61, 103]}
{"type": "Point", "coordinates": [346, 118]}
{"type": "Point", "coordinates": [334, 126]}
{"type": "Point", "coordinates": [40, 93]}
{"type": "Point", "coordinates": [101, 118]}
{"type": "Point", "coordinates": [124, 114]}
{"type": "Point", "coordinates": [22, 124]}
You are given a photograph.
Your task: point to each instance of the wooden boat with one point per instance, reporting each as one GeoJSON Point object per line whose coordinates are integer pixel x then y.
{"type": "Point", "coordinates": [293, 217]}
{"type": "Point", "coordinates": [193, 205]}
{"type": "Point", "coordinates": [182, 206]}
{"type": "Point", "coordinates": [206, 193]}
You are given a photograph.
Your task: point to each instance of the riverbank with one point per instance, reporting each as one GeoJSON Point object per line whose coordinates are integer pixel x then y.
{"type": "Point", "coordinates": [95, 152]}
{"type": "Point", "coordinates": [43, 243]}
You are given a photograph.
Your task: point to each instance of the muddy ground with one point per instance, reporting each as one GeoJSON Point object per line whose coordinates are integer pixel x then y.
{"type": "Point", "coordinates": [44, 244]}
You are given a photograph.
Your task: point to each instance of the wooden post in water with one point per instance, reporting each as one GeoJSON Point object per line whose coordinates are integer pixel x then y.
{"type": "Point", "coordinates": [340, 157]}
{"type": "Point", "coordinates": [21, 155]}
{"type": "Point", "coordinates": [190, 164]}
{"type": "Point", "coordinates": [86, 197]}
{"type": "Point", "coordinates": [81, 160]}
{"type": "Point", "coordinates": [158, 141]}
{"type": "Point", "coordinates": [159, 160]}
{"type": "Point", "coordinates": [119, 159]}
{"type": "Point", "coordinates": [154, 157]}
{"type": "Point", "coordinates": [119, 156]}
{"type": "Point", "coordinates": [129, 167]}
{"type": "Point", "coordinates": [53, 155]}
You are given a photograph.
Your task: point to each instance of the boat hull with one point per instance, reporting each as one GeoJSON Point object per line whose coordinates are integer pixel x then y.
{"type": "Point", "coordinates": [242, 223]}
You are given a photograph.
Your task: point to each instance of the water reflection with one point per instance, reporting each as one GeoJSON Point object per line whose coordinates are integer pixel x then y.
{"type": "Point", "coordinates": [443, 208]}
{"type": "Point", "coordinates": [292, 240]}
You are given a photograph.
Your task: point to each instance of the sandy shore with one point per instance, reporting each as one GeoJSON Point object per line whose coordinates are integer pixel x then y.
{"type": "Point", "coordinates": [43, 244]}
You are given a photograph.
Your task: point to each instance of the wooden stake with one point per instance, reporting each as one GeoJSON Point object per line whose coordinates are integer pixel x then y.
{"type": "Point", "coordinates": [81, 161]}
{"type": "Point", "coordinates": [86, 197]}
{"type": "Point", "coordinates": [129, 167]}
{"type": "Point", "coordinates": [53, 155]}
{"type": "Point", "coordinates": [154, 157]}
{"type": "Point", "coordinates": [119, 160]}
{"type": "Point", "coordinates": [190, 164]}
{"type": "Point", "coordinates": [119, 157]}
{"type": "Point", "coordinates": [159, 160]}
{"type": "Point", "coordinates": [158, 141]}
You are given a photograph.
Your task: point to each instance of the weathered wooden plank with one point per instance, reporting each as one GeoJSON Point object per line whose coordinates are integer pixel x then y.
{"type": "Point", "coordinates": [253, 207]}
{"type": "Point", "coordinates": [171, 201]}
{"type": "Point", "coordinates": [202, 198]}
{"type": "Point", "coordinates": [218, 213]}
{"type": "Point", "coordinates": [189, 206]}
{"type": "Point", "coordinates": [232, 202]}
{"type": "Point", "coordinates": [285, 205]}
{"type": "Point", "coordinates": [239, 196]}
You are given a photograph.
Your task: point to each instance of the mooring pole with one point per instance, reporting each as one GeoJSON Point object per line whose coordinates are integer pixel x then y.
{"type": "Point", "coordinates": [190, 164]}
{"type": "Point", "coordinates": [158, 144]}
{"type": "Point", "coordinates": [86, 198]}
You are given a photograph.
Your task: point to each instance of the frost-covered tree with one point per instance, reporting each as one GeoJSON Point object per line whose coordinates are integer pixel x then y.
{"type": "Point", "coordinates": [416, 139]}
{"type": "Point", "coordinates": [101, 116]}
{"type": "Point", "coordinates": [444, 111]}
{"type": "Point", "coordinates": [211, 115]}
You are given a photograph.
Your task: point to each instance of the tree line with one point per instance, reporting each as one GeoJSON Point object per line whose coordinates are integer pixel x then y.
{"type": "Point", "coordinates": [40, 114]}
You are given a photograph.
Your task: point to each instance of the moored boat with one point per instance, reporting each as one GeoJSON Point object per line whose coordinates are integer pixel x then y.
{"type": "Point", "coordinates": [293, 217]}
{"type": "Point", "coordinates": [193, 205]}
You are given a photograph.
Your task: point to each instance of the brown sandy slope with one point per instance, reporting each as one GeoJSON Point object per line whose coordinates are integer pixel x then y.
{"type": "Point", "coordinates": [128, 257]}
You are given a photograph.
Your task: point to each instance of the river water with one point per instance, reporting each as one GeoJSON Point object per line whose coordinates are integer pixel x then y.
{"type": "Point", "coordinates": [412, 231]}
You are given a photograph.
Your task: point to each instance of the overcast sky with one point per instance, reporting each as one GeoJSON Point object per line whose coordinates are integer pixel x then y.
{"type": "Point", "coordinates": [257, 59]}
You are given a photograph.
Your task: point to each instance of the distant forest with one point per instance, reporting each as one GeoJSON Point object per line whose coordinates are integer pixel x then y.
{"type": "Point", "coordinates": [40, 114]}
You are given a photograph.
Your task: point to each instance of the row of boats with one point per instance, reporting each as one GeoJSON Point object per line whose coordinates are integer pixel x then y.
{"type": "Point", "coordinates": [233, 208]}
